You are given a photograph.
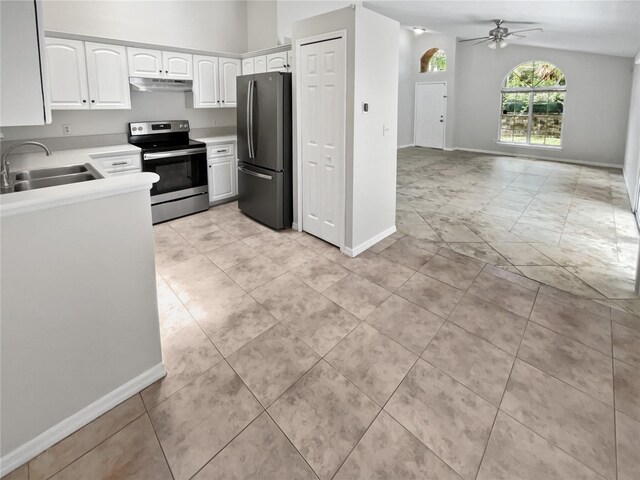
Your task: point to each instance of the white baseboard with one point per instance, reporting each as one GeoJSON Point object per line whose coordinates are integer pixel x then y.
{"type": "Point", "coordinates": [540, 157]}
{"type": "Point", "coordinates": [406, 146]}
{"type": "Point", "coordinates": [352, 252]}
{"type": "Point", "coordinates": [39, 444]}
{"type": "Point", "coordinates": [294, 226]}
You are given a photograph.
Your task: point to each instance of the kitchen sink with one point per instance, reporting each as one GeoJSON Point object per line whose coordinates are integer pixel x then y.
{"type": "Point", "coordinates": [50, 172]}
{"type": "Point", "coordinates": [51, 177]}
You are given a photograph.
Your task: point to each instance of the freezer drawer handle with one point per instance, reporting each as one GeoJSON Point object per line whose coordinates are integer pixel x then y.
{"type": "Point", "coordinates": [259, 175]}
{"type": "Point", "coordinates": [174, 153]}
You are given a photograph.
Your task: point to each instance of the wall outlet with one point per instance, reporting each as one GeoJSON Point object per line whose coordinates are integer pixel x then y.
{"type": "Point", "coordinates": [66, 129]}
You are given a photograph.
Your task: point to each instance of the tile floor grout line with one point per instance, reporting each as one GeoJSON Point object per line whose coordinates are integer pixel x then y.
{"type": "Point", "coordinates": [97, 444]}
{"type": "Point", "coordinates": [613, 387]}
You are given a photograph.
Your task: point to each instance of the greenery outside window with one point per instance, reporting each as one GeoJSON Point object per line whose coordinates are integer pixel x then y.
{"type": "Point", "coordinates": [433, 60]}
{"type": "Point", "coordinates": [532, 105]}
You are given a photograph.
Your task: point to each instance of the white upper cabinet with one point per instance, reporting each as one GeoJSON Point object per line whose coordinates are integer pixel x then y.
{"type": "Point", "coordinates": [24, 93]}
{"type": "Point", "coordinates": [178, 66]}
{"type": "Point", "coordinates": [277, 62]}
{"type": "Point", "coordinates": [145, 63]}
{"type": "Point", "coordinates": [260, 64]}
{"type": "Point", "coordinates": [108, 76]}
{"type": "Point", "coordinates": [229, 70]}
{"type": "Point", "coordinates": [206, 86]}
{"type": "Point", "coordinates": [247, 66]}
{"type": "Point", "coordinates": [67, 74]}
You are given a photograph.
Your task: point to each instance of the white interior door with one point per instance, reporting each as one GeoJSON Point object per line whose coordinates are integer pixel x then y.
{"type": "Point", "coordinates": [430, 119]}
{"type": "Point", "coordinates": [322, 97]}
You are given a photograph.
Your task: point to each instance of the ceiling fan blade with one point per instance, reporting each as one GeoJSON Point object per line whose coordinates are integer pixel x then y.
{"type": "Point", "coordinates": [482, 41]}
{"type": "Point", "coordinates": [472, 39]}
{"type": "Point", "coordinates": [517, 35]}
{"type": "Point", "coordinates": [527, 30]}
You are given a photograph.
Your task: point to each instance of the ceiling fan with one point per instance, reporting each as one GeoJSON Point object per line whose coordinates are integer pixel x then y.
{"type": "Point", "coordinates": [497, 36]}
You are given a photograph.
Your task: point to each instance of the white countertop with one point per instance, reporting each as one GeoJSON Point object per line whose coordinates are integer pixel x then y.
{"type": "Point", "coordinates": [30, 200]}
{"type": "Point", "coordinates": [217, 139]}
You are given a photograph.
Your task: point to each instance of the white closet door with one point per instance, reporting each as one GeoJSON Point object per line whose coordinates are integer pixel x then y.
{"type": "Point", "coordinates": [108, 76]}
{"type": "Point", "coordinates": [206, 88]}
{"type": "Point", "coordinates": [322, 73]}
{"type": "Point", "coordinates": [67, 74]}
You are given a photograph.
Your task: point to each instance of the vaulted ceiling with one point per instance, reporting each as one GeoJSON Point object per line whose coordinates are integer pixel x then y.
{"type": "Point", "coordinates": [608, 27]}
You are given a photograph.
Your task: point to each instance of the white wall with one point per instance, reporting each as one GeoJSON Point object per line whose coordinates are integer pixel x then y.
{"type": "Point", "coordinates": [406, 88]}
{"type": "Point", "coordinates": [145, 106]}
{"type": "Point", "coordinates": [79, 312]}
{"type": "Point", "coordinates": [374, 153]}
{"type": "Point", "coordinates": [262, 24]}
{"type": "Point", "coordinates": [290, 11]}
{"type": "Point", "coordinates": [632, 151]}
{"type": "Point", "coordinates": [370, 157]}
{"type": "Point", "coordinates": [214, 25]}
{"type": "Point", "coordinates": [596, 104]}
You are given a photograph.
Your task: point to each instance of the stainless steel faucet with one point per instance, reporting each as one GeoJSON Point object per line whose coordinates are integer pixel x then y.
{"type": "Point", "coordinates": [6, 177]}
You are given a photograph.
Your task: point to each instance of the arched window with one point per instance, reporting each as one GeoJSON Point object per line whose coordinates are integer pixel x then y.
{"type": "Point", "coordinates": [433, 60]}
{"type": "Point", "coordinates": [532, 104]}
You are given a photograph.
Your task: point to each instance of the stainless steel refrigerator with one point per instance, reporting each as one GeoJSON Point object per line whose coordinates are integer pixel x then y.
{"type": "Point", "coordinates": [264, 148]}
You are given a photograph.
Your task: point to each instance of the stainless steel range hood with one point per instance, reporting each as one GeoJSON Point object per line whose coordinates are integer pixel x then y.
{"type": "Point", "coordinates": [160, 85]}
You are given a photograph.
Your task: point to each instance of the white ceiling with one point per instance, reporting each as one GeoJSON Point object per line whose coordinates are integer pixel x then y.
{"type": "Point", "coordinates": [609, 27]}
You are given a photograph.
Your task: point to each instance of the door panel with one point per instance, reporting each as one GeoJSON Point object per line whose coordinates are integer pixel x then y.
{"type": "Point", "coordinates": [221, 179]}
{"type": "Point", "coordinates": [242, 85]}
{"type": "Point", "coordinates": [247, 66]}
{"type": "Point", "coordinates": [108, 76]}
{"type": "Point", "coordinates": [259, 194]}
{"type": "Point", "coordinates": [144, 63]}
{"type": "Point", "coordinates": [67, 74]}
{"type": "Point", "coordinates": [322, 111]}
{"type": "Point", "coordinates": [277, 62]}
{"type": "Point", "coordinates": [177, 66]}
{"type": "Point", "coordinates": [430, 115]}
{"type": "Point", "coordinates": [260, 64]}
{"type": "Point", "coordinates": [268, 107]}
{"type": "Point", "coordinates": [229, 70]}
{"type": "Point", "coordinates": [206, 90]}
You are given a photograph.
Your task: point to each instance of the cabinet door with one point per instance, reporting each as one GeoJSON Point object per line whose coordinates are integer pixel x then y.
{"type": "Point", "coordinates": [290, 61]}
{"type": "Point", "coordinates": [260, 64]}
{"type": "Point", "coordinates": [108, 76]}
{"type": "Point", "coordinates": [67, 74]}
{"type": "Point", "coordinates": [277, 62]}
{"type": "Point", "coordinates": [206, 88]}
{"type": "Point", "coordinates": [229, 70]}
{"type": "Point", "coordinates": [144, 63]}
{"type": "Point", "coordinates": [222, 179]}
{"type": "Point", "coordinates": [247, 66]}
{"type": "Point", "coordinates": [178, 66]}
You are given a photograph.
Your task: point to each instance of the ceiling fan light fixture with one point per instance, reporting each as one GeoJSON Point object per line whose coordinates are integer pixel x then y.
{"type": "Point", "coordinates": [493, 44]}
{"type": "Point", "coordinates": [418, 30]}
{"type": "Point", "coordinates": [503, 43]}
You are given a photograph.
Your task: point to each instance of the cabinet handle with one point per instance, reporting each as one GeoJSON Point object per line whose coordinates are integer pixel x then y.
{"type": "Point", "coordinates": [93, 101]}
{"type": "Point", "coordinates": [166, 71]}
{"type": "Point", "coordinates": [84, 101]}
{"type": "Point", "coordinates": [118, 163]}
{"type": "Point", "coordinates": [222, 101]}
{"type": "Point", "coordinates": [159, 71]}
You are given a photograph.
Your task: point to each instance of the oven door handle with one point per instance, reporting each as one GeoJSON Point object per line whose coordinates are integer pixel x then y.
{"type": "Point", "coordinates": [255, 174]}
{"type": "Point", "coordinates": [174, 153]}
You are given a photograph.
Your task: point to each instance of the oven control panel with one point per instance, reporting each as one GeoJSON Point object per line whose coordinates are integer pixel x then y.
{"type": "Point", "coordinates": [150, 128]}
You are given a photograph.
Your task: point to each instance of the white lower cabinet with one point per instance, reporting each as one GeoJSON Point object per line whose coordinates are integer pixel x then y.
{"type": "Point", "coordinates": [223, 183]}
{"type": "Point", "coordinates": [223, 177]}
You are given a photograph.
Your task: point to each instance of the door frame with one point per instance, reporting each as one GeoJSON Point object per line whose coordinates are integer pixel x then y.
{"type": "Point", "coordinates": [297, 175]}
{"type": "Point", "coordinates": [415, 112]}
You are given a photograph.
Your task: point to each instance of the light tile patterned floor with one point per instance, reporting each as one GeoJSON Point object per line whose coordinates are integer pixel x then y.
{"type": "Point", "coordinates": [428, 356]}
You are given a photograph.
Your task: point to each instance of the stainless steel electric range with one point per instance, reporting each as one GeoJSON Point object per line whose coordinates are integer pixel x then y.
{"type": "Point", "coordinates": [181, 164]}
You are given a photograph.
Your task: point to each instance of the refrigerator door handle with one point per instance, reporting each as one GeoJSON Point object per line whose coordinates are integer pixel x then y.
{"type": "Point", "coordinates": [255, 174]}
{"type": "Point", "coordinates": [250, 119]}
